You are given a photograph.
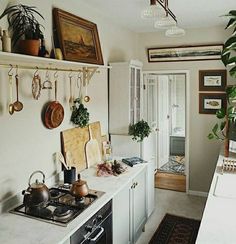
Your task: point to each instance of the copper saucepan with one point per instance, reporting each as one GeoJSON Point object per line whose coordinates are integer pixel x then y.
{"type": "Point", "coordinates": [53, 112]}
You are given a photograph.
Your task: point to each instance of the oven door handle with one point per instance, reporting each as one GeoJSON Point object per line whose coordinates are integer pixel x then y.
{"type": "Point", "coordinates": [98, 234]}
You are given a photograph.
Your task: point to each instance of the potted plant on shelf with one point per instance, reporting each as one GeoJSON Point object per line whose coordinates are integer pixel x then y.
{"type": "Point", "coordinates": [220, 131]}
{"type": "Point", "coordinates": [25, 28]}
{"type": "Point", "coordinates": [139, 130]}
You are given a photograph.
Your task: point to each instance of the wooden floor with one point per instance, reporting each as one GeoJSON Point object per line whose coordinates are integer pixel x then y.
{"type": "Point", "coordinates": [170, 181]}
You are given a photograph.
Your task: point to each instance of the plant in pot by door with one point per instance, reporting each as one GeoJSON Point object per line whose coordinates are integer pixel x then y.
{"type": "Point", "coordinates": [220, 131]}
{"type": "Point", "coordinates": [80, 114]}
{"type": "Point", "coordinates": [139, 130]}
{"type": "Point", "coordinates": [25, 28]}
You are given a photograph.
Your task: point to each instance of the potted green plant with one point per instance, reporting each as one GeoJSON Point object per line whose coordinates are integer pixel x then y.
{"type": "Point", "coordinates": [80, 114]}
{"type": "Point", "coordinates": [139, 130]}
{"type": "Point", "coordinates": [25, 28]}
{"type": "Point", "coordinates": [220, 130]}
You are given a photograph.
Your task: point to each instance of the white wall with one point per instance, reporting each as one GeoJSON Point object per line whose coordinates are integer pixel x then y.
{"type": "Point", "coordinates": [25, 144]}
{"type": "Point", "coordinates": [203, 153]}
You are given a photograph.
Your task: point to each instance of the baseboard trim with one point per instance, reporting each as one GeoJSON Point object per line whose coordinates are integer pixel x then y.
{"type": "Point", "coordinates": [198, 193]}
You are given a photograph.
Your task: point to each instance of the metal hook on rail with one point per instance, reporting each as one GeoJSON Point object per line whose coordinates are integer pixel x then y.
{"type": "Point", "coordinates": [70, 74]}
{"type": "Point", "coordinates": [35, 73]}
{"type": "Point", "coordinates": [56, 74]}
{"type": "Point", "coordinates": [16, 70]}
{"type": "Point", "coordinates": [11, 68]}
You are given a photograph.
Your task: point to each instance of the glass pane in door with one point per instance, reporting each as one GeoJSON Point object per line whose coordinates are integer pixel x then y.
{"type": "Point", "coordinates": [137, 95]}
{"type": "Point", "coordinates": [132, 94]}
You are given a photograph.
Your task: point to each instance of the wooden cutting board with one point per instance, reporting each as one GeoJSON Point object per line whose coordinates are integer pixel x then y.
{"type": "Point", "coordinates": [73, 142]}
{"type": "Point", "coordinates": [92, 150]}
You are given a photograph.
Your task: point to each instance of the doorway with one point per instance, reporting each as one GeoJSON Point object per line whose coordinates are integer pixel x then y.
{"type": "Point", "coordinates": [166, 110]}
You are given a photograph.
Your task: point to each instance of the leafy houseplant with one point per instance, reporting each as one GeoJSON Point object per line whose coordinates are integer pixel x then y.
{"type": "Point", "coordinates": [220, 131]}
{"type": "Point", "coordinates": [80, 114]}
{"type": "Point", "coordinates": [25, 28]}
{"type": "Point", "coordinates": [139, 130]}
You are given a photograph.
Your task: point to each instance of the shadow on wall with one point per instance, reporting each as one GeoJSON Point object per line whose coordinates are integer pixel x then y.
{"type": "Point", "coordinates": [117, 55]}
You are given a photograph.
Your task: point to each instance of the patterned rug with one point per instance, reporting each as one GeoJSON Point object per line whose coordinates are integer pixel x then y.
{"type": "Point", "coordinates": [175, 165]}
{"type": "Point", "coordinates": [176, 230]}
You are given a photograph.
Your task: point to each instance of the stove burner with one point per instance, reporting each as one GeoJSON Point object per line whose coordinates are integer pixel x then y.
{"type": "Point", "coordinates": [54, 194]}
{"type": "Point", "coordinates": [62, 211]}
{"type": "Point", "coordinates": [79, 200]}
{"type": "Point", "coordinates": [41, 212]}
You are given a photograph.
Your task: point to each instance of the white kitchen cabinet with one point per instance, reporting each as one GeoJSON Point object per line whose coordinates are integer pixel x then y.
{"type": "Point", "coordinates": [130, 210]}
{"type": "Point", "coordinates": [125, 95]}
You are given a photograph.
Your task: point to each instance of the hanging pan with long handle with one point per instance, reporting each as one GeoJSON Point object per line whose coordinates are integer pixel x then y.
{"type": "Point", "coordinates": [54, 111]}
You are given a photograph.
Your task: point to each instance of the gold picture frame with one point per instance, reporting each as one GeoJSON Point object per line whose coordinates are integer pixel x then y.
{"type": "Point", "coordinates": [78, 38]}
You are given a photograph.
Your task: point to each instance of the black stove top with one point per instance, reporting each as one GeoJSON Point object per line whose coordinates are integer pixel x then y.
{"type": "Point", "coordinates": [62, 207]}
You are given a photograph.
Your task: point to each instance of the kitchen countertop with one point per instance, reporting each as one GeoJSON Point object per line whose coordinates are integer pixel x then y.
{"type": "Point", "coordinates": [19, 229]}
{"type": "Point", "coordinates": [217, 225]}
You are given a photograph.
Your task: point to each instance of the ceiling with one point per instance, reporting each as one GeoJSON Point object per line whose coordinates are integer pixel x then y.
{"type": "Point", "coordinates": [189, 13]}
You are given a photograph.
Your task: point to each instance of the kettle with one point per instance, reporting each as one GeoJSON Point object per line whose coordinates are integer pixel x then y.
{"type": "Point", "coordinates": [79, 188]}
{"type": "Point", "coordinates": [37, 194]}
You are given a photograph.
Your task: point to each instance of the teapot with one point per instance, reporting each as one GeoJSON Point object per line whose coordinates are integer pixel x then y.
{"type": "Point", "coordinates": [37, 194]}
{"type": "Point", "coordinates": [79, 188]}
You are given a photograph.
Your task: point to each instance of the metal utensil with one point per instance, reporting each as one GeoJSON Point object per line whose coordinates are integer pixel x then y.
{"type": "Point", "coordinates": [71, 99]}
{"type": "Point", "coordinates": [10, 106]}
{"type": "Point", "coordinates": [18, 106]}
{"type": "Point", "coordinates": [86, 97]}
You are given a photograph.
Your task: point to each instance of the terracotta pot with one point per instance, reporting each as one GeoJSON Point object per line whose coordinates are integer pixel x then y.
{"type": "Point", "coordinates": [29, 47]}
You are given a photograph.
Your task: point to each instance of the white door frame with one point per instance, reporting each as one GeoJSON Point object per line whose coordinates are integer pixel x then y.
{"type": "Point", "coordinates": [187, 116]}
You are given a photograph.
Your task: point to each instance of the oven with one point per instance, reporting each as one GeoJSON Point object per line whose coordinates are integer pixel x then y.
{"type": "Point", "coordinates": [97, 230]}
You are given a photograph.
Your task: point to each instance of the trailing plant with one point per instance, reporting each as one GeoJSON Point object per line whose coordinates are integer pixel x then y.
{"type": "Point", "coordinates": [80, 114]}
{"type": "Point", "coordinates": [23, 23]}
{"type": "Point", "coordinates": [139, 130]}
{"type": "Point", "coordinates": [220, 130]}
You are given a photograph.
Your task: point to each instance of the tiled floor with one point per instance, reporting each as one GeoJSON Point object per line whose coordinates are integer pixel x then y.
{"type": "Point", "coordinates": [172, 202]}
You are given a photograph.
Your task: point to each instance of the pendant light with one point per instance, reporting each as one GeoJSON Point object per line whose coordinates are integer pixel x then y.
{"type": "Point", "coordinates": [152, 11]}
{"type": "Point", "coordinates": [175, 31]}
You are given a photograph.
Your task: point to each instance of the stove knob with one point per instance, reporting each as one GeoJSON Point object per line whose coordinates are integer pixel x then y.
{"type": "Point", "coordinates": [88, 228]}
{"type": "Point", "coordinates": [99, 217]}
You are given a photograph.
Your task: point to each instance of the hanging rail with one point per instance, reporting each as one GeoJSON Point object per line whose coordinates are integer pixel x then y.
{"type": "Point", "coordinates": [83, 69]}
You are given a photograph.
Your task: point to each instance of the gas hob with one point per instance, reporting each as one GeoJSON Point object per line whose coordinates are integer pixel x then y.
{"type": "Point", "coordinates": [62, 207]}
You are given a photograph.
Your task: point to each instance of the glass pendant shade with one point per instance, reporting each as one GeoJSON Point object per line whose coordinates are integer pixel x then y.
{"type": "Point", "coordinates": [152, 11]}
{"type": "Point", "coordinates": [164, 22]}
{"type": "Point", "coordinates": [175, 32]}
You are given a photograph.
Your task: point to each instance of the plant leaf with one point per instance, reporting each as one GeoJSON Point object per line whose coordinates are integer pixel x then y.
{"type": "Point", "coordinates": [220, 114]}
{"type": "Point", "coordinates": [233, 72]}
{"type": "Point", "coordinates": [210, 136]}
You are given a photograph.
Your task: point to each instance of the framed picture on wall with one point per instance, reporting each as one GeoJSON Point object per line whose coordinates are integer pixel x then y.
{"type": "Point", "coordinates": [78, 38]}
{"type": "Point", "coordinates": [212, 80]}
{"type": "Point", "coordinates": [209, 103]}
{"type": "Point", "coordinates": [185, 53]}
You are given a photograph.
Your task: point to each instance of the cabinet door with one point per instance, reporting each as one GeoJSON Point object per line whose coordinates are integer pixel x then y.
{"type": "Point", "coordinates": [121, 217]}
{"type": "Point", "coordinates": [139, 204]}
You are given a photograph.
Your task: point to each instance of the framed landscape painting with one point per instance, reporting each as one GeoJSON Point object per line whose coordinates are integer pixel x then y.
{"type": "Point", "coordinates": [185, 53]}
{"type": "Point", "coordinates": [209, 103]}
{"type": "Point", "coordinates": [212, 80]}
{"type": "Point", "coordinates": [78, 38]}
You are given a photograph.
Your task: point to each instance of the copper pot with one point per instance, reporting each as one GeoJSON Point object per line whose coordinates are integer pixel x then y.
{"type": "Point", "coordinates": [29, 47]}
{"type": "Point", "coordinates": [37, 194]}
{"type": "Point", "coordinates": [79, 188]}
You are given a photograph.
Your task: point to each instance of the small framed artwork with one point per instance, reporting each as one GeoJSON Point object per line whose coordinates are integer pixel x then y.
{"type": "Point", "coordinates": [185, 53]}
{"type": "Point", "coordinates": [212, 80]}
{"type": "Point", "coordinates": [78, 38]}
{"type": "Point", "coordinates": [209, 103]}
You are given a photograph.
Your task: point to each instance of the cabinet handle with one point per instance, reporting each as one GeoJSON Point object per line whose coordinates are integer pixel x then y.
{"type": "Point", "coordinates": [136, 183]}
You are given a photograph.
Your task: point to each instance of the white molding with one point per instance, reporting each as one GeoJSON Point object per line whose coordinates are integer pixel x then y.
{"type": "Point", "coordinates": [198, 193]}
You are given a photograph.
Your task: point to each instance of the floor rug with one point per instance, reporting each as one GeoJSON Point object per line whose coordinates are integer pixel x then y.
{"type": "Point", "coordinates": [176, 230]}
{"type": "Point", "coordinates": [175, 165]}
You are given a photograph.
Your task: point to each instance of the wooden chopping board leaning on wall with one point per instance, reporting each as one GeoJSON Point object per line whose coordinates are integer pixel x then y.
{"type": "Point", "coordinates": [73, 143]}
